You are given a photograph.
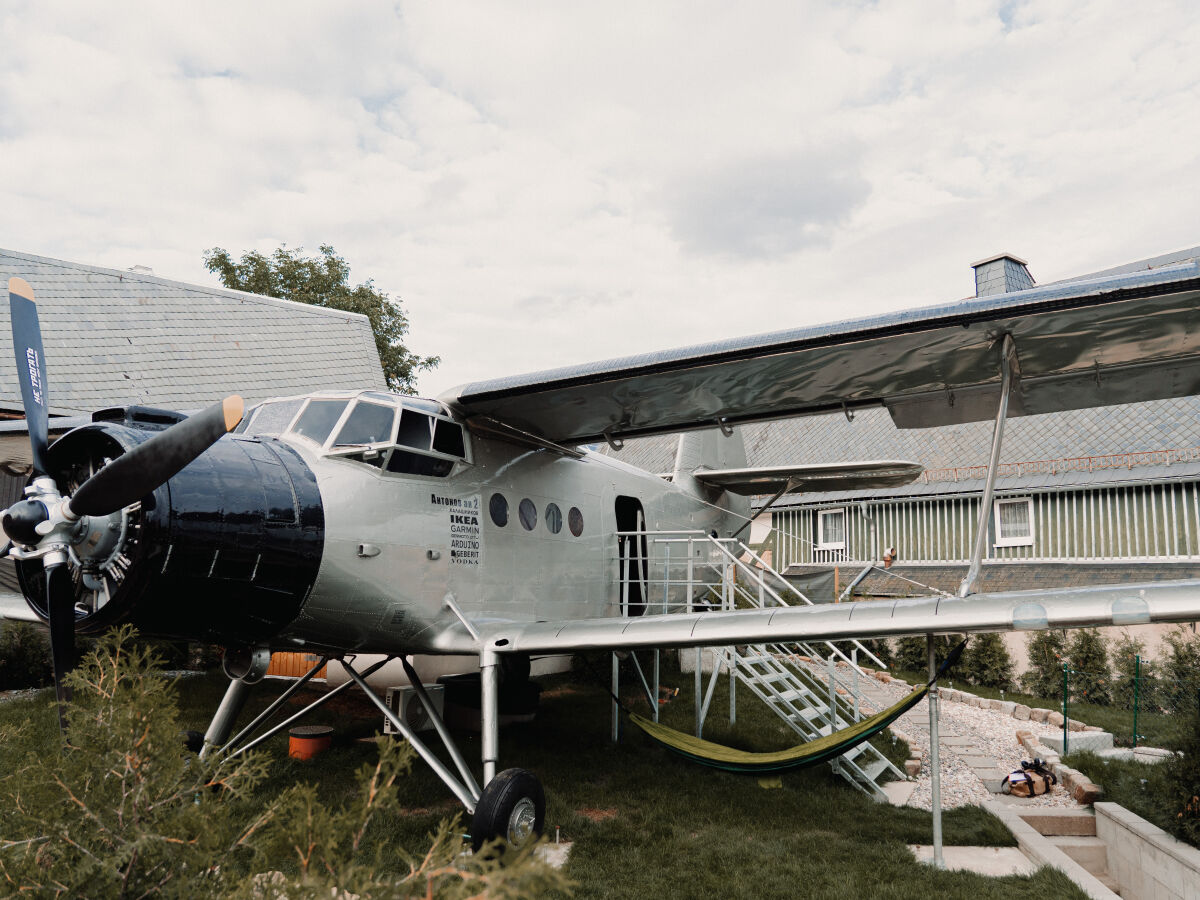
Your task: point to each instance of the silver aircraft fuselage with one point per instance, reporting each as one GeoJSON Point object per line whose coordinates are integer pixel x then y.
{"type": "Point", "coordinates": [402, 550]}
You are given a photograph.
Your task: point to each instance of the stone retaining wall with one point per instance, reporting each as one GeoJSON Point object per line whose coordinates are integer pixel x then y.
{"type": "Point", "coordinates": [1145, 860]}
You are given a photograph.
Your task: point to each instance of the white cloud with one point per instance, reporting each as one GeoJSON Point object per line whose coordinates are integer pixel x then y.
{"type": "Point", "coordinates": [544, 184]}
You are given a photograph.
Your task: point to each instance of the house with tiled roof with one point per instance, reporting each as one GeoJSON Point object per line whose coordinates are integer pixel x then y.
{"type": "Point", "coordinates": [1090, 496]}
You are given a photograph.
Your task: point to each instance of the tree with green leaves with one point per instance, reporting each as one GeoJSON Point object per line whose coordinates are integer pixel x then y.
{"type": "Point", "coordinates": [324, 280]}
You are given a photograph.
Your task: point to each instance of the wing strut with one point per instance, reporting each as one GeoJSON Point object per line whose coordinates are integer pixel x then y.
{"type": "Point", "coordinates": [1008, 367]}
{"type": "Point", "coordinates": [787, 486]}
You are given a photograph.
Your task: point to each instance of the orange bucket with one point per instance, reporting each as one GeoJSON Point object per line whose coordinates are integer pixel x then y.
{"type": "Point", "coordinates": [306, 741]}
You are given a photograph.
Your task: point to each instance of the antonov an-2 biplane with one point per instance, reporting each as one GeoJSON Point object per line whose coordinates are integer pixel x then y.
{"type": "Point", "coordinates": [366, 522]}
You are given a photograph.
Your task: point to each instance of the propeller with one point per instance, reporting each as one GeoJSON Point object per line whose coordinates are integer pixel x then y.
{"type": "Point", "coordinates": [47, 525]}
{"type": "Point", "coordinates": [27, 345]}
{"type": "Point", "coordinates": [135, 474]}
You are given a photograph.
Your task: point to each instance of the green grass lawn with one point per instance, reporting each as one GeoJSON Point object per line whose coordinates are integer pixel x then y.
{"type": "Point", "coordinates": [645, 823]}
{"type": "Point", "coordinates": [1156, 729]}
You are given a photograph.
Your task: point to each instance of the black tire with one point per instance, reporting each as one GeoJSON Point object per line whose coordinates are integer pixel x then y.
{"type": "Point", "coordinates": [512, 807]}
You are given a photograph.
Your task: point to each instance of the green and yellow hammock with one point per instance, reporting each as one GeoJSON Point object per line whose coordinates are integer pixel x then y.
{"type": "Point", "coordinates": [807, 754]}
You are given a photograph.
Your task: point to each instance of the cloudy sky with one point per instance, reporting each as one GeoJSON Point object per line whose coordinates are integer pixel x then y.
{"type": "Point", "coordinates": [548, 183]}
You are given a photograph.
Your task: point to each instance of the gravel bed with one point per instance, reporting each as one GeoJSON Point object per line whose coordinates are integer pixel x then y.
{"type": "Point", "coordinates": [21, 694]}
{"type": "Point", "coordinates": [992, 734]}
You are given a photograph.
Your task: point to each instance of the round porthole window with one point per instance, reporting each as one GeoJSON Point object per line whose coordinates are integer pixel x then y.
{"type": "Point", "coordinates": [498, 508]}
{"type": "Point", "coordinates": [575, 521]}
{"type": "Point", "coordinates": [553, 518]}
{"type": "Point", "coordinates": [528, 513]}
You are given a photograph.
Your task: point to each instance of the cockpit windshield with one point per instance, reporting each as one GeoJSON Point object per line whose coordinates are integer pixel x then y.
{"type": "Point", "coordinates": [402, 435]}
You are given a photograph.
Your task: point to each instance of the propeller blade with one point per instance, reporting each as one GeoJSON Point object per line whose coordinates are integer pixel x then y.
{"type": "Point", "coordinates": [31, 369]}
{"type": "Point", "coordinates": [60, 600]}
{"type": "Point", "coordinates": [135, 474]}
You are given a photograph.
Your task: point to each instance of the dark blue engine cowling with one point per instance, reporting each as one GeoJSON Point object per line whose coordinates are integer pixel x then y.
{"type": "Point", "coordinates": [226, 551]}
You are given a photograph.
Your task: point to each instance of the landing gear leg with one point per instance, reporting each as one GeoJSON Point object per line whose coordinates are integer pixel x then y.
{"type": "Point", "coordinates": [513, 804]}
{"type": "Point", "coordinates": [489, 712]}
{"type": "Point", "coordinates": [245, 669]}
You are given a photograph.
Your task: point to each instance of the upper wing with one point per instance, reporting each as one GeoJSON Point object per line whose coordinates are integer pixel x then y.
{"type": "Point", "coordinates": [814, 477]}
{"type": "Point", "coordinates": [1136, 604]}
{"type": "Point", "coordinates": [1097, 342]}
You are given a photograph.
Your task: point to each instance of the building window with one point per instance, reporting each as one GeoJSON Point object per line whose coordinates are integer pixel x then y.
{"type": "Point", "coordinates": [1014, 523]}
{"type": "Point", "coordinates": [831, 529]}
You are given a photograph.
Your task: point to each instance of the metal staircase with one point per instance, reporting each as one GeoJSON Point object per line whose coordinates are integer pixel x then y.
{"type": "Point", "coordinates": [813, 687]}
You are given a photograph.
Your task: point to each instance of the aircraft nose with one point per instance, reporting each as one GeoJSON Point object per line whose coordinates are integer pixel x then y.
{"type": "Point", "coordinates": [22, 519]}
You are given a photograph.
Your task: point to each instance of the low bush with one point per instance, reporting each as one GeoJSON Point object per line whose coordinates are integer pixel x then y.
{"type": "Point", "coordinates": [24, 656]}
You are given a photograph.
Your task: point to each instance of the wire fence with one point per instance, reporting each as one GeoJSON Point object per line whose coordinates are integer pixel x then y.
{"type": "Point", "coordinates": [1138, 705]}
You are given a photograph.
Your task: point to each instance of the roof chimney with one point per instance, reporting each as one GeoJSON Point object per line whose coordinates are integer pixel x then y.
{"type": "Point", "coordinates": [1001, 274]}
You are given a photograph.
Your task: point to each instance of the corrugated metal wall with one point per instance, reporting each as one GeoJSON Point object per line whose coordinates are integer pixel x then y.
{"type": "Point", "coordinates": [1136, 522]}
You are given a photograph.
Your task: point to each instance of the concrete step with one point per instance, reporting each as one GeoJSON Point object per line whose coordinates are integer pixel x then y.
{"type": "Point", "coordinates": [1061, 821]}
{"type": "Point", "coordinates": [1089, 852]}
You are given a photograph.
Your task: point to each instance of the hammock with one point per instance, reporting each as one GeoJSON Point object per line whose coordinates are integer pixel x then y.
{"type": "Point", "coordinates": [807, 754]}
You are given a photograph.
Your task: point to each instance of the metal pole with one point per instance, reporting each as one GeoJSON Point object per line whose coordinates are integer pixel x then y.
{"type": "Point", "coordinates": [854, 669]}
{"type": "Point", "coordinates": [462, 791]}
{"type": "Point", "coordinates": [699, 691]}
{"type": "Point", "coordinates": [654, 699]}
{"type": "Point", "coordinates": [1066, 730]}
{"type": "Point", "coordinates": [732, 660]}
{"type": "Point", "coordinates": [935, 762]}
{"type": "Point", "coordinates": [489, 712]}
{"type": "Point", "coordinates": [440, 727]}
{"type": "Point", "coordinates": [1137, 672]}
{"type": "Point", "coordinates": [279, 701]}
{"type": "Point", "coordinates": [1007, 351]}
{"type": "Point", "coordinates": [320, 701]}
{"type": "Point", "coordinates": [616, 692]}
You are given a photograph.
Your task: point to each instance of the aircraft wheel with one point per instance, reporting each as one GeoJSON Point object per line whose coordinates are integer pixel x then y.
{"type": "Point", "coordinates": [512, 806]}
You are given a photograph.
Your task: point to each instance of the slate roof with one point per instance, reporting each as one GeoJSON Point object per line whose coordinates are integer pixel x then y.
{"type": "Point", "coordinates": [114, 337]}
{"type": "Point", "coordinates": [1113, 430]}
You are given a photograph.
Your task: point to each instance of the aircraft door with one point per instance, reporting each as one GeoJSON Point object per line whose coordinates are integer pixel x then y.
{"type": "Point", "coordinates": [632, 556]}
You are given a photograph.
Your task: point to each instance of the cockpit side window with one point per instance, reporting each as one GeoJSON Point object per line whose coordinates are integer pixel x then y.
{"type": "Point", "coordinates": [416, 430]}
{"type": "Point", "coordinates": [448, 438]}
{"type": "Point", "coordinates": [318, 419]}
{"type": "Point", "coordinates": [274, 418]}
{"type": "Point", "coordinates": [368, 423]}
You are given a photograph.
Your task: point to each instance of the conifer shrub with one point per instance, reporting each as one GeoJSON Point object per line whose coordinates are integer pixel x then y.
{"type": "Point", "coordinates": [1183, 784]}
{"type": "Point", "coordinates": [1179, 661]}
{"type": "Point", "coordinates": [1090, 680]}
{"type": "Point", "coordinates": [911, 654]}
{"type": "Point", "coordinates": [1046, 650]}
{"type": "Point", "coordinates": [122, 810]}
{"type": "Point", "coordinates": [987, 662]}
{"type": "Point", "coordinates": [1125, 653]}
{"type": "Point", "coordinates": [24, 656]}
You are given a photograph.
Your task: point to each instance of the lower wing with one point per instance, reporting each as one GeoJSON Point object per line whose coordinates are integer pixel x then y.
{"type": "Point", "coordinates": [1135, 604]}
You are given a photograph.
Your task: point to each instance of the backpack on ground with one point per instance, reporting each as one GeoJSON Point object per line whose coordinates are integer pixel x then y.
{"type": "Point", "coordinates": [1032, 779]}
